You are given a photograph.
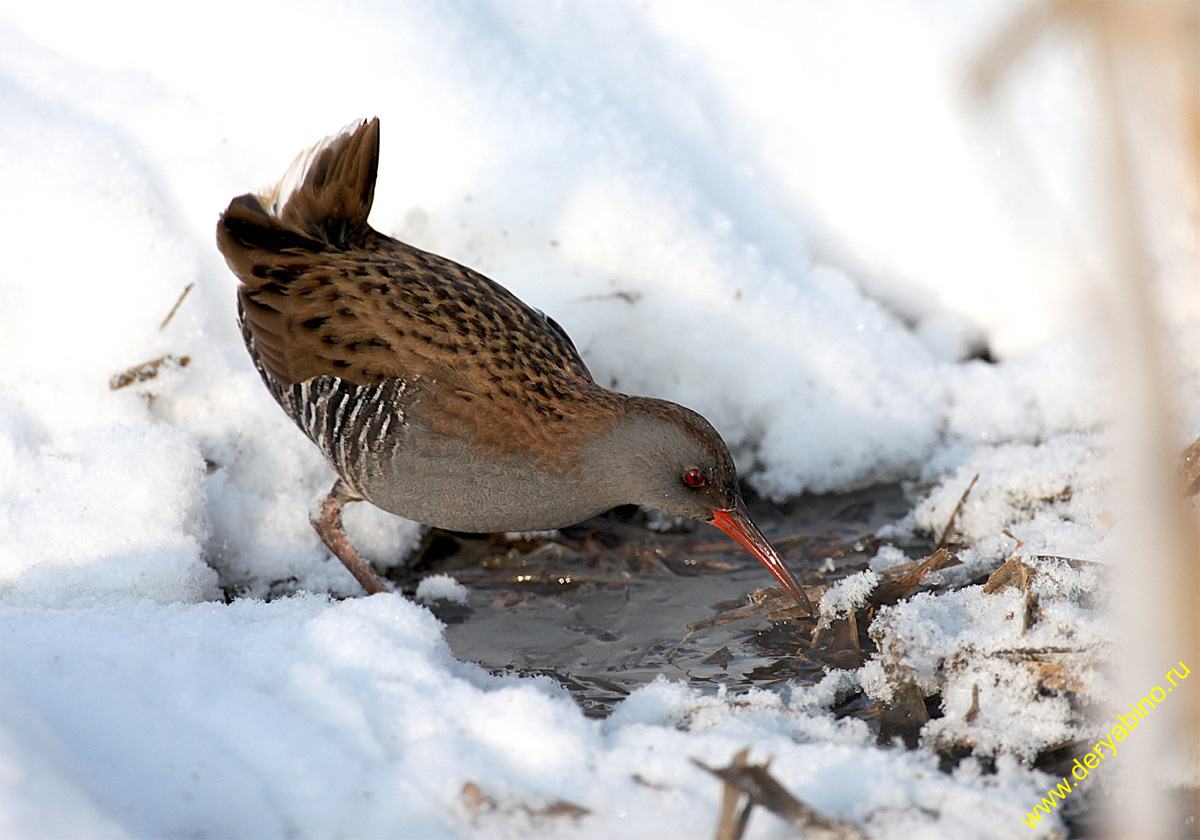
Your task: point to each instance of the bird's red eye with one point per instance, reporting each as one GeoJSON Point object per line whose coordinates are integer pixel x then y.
{"type": "Point", "coordinates": [695, 478]}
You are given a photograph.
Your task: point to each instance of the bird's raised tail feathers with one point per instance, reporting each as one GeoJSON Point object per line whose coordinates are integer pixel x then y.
{"type": "Point", "coordinates": [271, 241]}
{"type": "Point", "coordinates": [322, 201]}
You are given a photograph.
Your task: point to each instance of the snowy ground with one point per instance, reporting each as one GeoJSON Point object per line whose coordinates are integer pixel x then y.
{"type": "Point", "coordinates": [782, 217]}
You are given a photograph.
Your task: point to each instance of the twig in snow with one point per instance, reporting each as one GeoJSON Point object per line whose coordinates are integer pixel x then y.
{"type": "Point", "coordinates": [733, 820]}
{"type": "Point", "coordinates": [146, 371]}
{"type": "Point", "coordinates": [756, 782]}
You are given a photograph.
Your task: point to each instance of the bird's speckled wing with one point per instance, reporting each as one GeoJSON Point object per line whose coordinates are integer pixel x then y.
{"type": "Point", "coordinates": [324, 294]}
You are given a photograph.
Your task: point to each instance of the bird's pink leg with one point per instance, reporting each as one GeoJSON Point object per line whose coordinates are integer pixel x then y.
{"type": "Point", "coordinates": [326, 518]}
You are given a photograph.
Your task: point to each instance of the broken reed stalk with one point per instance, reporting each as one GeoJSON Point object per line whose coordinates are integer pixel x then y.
{"type": "Point", "coordinates": [1162, 624]}
{"type": "Point", "coordinates": [1147, 57]}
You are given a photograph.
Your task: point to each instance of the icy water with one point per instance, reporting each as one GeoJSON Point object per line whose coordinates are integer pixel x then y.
{"type": "Point", "coordinates": [604, 607]}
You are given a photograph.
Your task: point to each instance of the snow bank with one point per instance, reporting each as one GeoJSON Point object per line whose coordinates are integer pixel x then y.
{"type": "Point", "coordinates": [308, 718]}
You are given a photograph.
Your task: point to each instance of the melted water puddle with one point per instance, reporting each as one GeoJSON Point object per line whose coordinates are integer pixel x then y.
{"type": "Point", "coordinates": [604, 607]}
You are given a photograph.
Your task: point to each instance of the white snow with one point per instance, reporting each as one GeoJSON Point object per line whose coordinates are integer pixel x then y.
{"type": "Point", "coordinates": [957, 643]}
{"type": "Point", "coordinates": [848, 594]}
{"type": "Point", "coordinates": [441, 588]}
{"type": "Point", "coordinates": [782, 217]}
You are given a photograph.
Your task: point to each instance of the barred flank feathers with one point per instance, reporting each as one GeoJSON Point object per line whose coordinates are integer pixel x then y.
{"type": "Point", "coordinates": [346, 421]}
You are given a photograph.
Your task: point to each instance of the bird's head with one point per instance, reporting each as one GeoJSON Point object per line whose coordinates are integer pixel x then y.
{"type": "Point", "coordinates": [662, 455]}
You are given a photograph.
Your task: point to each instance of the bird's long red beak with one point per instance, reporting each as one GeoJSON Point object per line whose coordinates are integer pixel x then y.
{"type": "Point", "coordinates": [736, 523]}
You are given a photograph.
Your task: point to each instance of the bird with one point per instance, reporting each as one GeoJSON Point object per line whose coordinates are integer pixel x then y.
{"type": "Point", "coordinates": [435, 393]}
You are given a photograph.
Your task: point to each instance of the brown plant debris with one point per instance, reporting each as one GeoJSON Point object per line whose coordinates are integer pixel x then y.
{"type": "Point", "coordinates": [833, 641]}
{"type": "Point", "coordinates": [1012, 572]}
{"type": "Point", "coordinates": [1023, 572]}
{"type": "Point", "coordinates": [973, 712]}
{"type": "Point", "coordinates": [837, 644]}
{"type": "Point", "coordinates": [1053, 670]}
{"type": "Point", "coordinates": [897, 584]}
{"type": "Point", "coordinates": [1190, 464]}
{"type": "Point", "coordinates": [1056, 669]}
{"type": "Point", "coordinates": [906, 713]}
{"type": "Point", "coordinates": [759, 787]}
{"type": "Point", "coordinates": [720, 657]}
{"type": "Point", "coordinates": [478, 803]}
{"type": "Point", "coordinates": [147, 371]}
{"type": "Point", "coordinates": [1032, 612]}
{"type": "Point", "coordinates": [900, 581]}
{"type": "Point", "coordinates": [770, 601]}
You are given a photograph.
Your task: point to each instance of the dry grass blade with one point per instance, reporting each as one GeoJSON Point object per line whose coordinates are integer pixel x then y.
{"type": "Point", "coordinates": [954, 513]}
{"type": "Point", "coordinates": [1057, 669]}
{"type": "Point", "coordinates": [175, 308]}
{"type": "Point", "coordinates": [973, 711]}
{"type": "Point", "coordinates": [757, 783]}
